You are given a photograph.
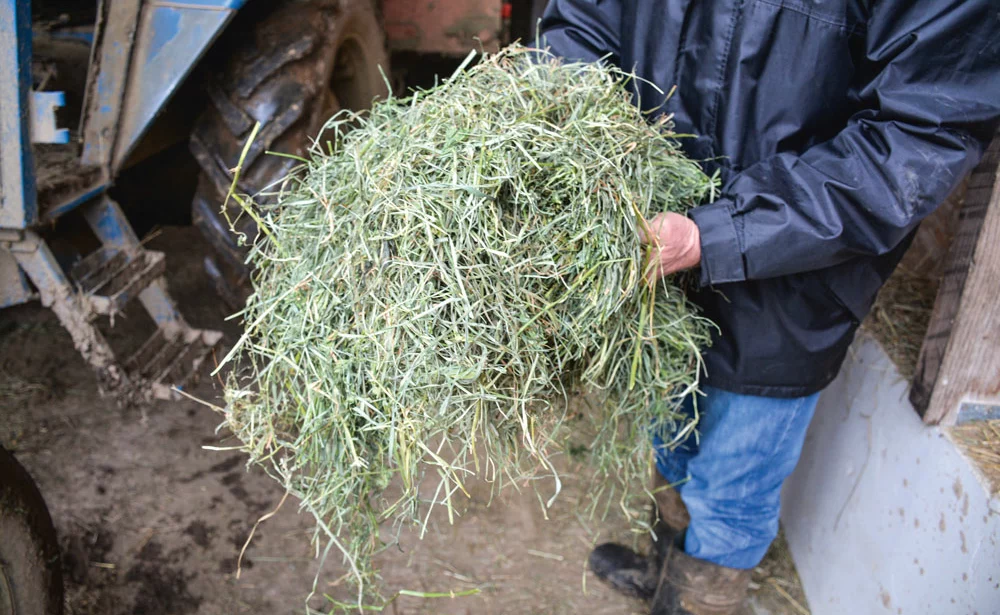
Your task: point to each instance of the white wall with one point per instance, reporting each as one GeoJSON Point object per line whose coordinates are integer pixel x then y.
{"type": "Point", "coordinates": [883, 515]}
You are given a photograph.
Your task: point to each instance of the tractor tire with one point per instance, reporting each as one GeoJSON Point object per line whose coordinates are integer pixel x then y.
{"type": "Point", "coordinates": [30, 568]}
{"type": "Point", "coordinates": [301, 64]}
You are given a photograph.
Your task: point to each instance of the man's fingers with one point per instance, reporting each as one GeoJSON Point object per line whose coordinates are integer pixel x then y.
{"type": "Point", "coordinates": [641, 229]}
{"type": "Point", "coordinates": [649, 229]}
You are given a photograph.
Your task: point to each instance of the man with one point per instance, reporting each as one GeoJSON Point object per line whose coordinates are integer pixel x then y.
{"type": "Point", "coordinates": [836, 125]}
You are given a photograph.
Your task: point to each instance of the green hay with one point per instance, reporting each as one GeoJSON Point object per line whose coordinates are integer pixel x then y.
{"type": "Point", "coordinates": [432, 284]}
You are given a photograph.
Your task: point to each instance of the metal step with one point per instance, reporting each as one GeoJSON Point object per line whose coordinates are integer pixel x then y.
{"type": "Point", "coordinates": [164, 363]}
{"type": "Point", "coordinates": [110, 278]}
{"type": "Point", "coordinates": [102, 283]}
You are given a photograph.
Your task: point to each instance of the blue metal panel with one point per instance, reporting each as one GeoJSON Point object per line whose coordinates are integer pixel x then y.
{"type": "Point", "coordinates": [171, 38]}
{"type": "Point", "coordinates": [17, 182]}
{"type": "Point", "coordinates": [971, 411]}
{"type": "Point", "coordinates": [106, 80]}
{"type": "Point", "coordinates": [75, 34]}
{"type": "Point", "coordinates": [43, 117]}
{"type": "Point", "coordinates": [111, 226]}
{"type": "Point", "coordinates": [217, 4]}
{"type": "Point", "coordinates": [55, 212]}
{"type": "Point", "coordinates": [14, 288]}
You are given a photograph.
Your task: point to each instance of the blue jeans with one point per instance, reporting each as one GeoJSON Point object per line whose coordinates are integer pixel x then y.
{"type": "Point", "coordinates": [730, 474]}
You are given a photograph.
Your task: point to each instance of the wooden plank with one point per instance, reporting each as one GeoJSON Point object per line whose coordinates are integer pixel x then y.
{"type": "Point", "coordinates": [955, 272]}
{"type": "Point", "coordinates": [959, 360]}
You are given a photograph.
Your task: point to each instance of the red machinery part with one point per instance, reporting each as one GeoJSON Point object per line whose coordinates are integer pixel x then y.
{"type": "Point", "coordinates": [450, 27]}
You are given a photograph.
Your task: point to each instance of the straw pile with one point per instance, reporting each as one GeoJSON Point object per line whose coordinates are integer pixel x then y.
{"type": "Point", "coordinates": [434, 281]}
{"type": "Point", "coordinates": [980, 441]}
{"type": "Point", "coordinates": [901, 314]}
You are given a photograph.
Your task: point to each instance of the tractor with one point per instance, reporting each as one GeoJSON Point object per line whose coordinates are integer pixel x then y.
{"type": "Point", "coordinates": [96, 99]}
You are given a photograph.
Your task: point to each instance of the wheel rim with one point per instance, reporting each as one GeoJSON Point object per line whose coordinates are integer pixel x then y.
{"type": "Point", "coordinates": [351, 83]}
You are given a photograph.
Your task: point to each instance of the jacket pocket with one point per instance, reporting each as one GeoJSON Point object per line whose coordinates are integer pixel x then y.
{"type": "Point", "coordinates": [854, 285]}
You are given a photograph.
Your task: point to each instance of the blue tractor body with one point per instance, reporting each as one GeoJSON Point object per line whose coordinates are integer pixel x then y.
{"type": "Point", "coordinates": [140, 53]}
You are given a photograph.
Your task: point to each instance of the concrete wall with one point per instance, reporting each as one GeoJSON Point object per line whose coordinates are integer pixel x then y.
{"type": "Point", "coordinates": [883, 515]}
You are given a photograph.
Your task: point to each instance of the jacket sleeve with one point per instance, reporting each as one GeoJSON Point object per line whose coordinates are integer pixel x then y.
{"type": "Point", "coordinates": [930, 100]}
{"type": "Point", "coordinates": [582, 30]}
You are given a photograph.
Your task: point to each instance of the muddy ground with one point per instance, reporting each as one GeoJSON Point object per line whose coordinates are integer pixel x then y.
{"type": "Point", "coordinates": [152, 523]}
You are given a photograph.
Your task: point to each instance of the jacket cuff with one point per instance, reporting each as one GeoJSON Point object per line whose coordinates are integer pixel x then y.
{"type": "Point", "coordinates": [721, 257]}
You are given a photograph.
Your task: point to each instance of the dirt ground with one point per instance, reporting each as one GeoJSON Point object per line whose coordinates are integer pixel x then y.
{"type": "Point", "coordinates": [152, 523]}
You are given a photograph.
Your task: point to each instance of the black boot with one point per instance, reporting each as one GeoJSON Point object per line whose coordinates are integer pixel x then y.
{"type": "Point", "coordinates": [633, 574]}
{"type": "Point", "coordinates": [690, 586]}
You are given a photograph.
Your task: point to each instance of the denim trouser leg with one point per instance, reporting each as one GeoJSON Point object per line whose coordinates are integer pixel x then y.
{"type": "Point", "coordinates": [746, 447]}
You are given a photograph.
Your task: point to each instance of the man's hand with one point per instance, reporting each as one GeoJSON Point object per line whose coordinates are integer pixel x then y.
{"type": "Point", "coordinates": [675, 242]}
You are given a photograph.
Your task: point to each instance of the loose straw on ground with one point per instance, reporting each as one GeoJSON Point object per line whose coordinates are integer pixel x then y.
{"type": "Point", "coordinates": [435, 280]}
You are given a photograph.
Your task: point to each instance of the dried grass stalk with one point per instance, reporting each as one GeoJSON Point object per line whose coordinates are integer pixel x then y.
{"type": "Point", "coordinates": [980, 441]}
{"type": "Point", "coordinates": [901, 314]}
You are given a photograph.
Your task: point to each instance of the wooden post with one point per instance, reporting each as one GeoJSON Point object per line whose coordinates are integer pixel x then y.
{"type": "Point", "coordinates": [958, 372]}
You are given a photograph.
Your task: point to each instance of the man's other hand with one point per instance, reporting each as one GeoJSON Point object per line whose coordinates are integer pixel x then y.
{"type": "Point", "coordinates": [675, 243]}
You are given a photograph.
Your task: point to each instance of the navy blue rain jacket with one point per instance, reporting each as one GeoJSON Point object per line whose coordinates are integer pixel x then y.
{"type": "Point", "coordinates": [837, 126]}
